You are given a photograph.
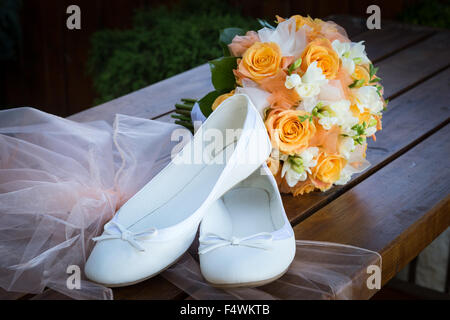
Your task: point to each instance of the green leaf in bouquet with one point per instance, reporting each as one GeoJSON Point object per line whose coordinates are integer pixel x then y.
{"type": "Point", "coordinates": [226, 36]}
{"type": "Point", "coordinates": [222, 76]}
{"type": "Point", "coordinates": [207, 101]}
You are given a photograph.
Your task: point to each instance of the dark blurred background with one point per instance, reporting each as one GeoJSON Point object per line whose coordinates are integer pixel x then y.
{"type": "Point", "coordinates": [124, 45]}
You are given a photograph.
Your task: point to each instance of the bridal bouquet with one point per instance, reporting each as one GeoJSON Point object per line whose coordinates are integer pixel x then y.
{"type": "Point", "coordinates": [317, 92]}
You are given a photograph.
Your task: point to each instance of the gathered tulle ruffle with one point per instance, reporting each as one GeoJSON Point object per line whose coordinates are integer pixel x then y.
{"type": "Point", "coordinates": [60, 182]}
{"type": "Point", "coordinates": [319, 271]}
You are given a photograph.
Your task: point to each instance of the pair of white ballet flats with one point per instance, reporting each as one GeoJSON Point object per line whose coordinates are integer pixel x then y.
{"type": "Point", "coordinates": [245, 236]}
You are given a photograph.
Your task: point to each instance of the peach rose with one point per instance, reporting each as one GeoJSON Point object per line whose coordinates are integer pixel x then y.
{"type": "Point", "coordinates": [328, 168]}
{"type": "Point", "coordinates": [260, 61]}
{"type": "Point", "coordinates": [240, 44]}
{"type": "Point", "coordinates": [287, 132]}
{"type": "Point", "coordinates": [361, 72]}
{"type": "Point", "coordinates": [300, 21]}
{"type": "Point", "coordinates": [320, 50]}
{"type": "Point", "coordinates": [302, 187]}
{"type": "Point", "coordinates": [221, 99]}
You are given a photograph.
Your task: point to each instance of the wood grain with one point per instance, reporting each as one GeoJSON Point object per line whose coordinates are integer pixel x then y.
{"type": "Point", "coordinates": [397, 217]}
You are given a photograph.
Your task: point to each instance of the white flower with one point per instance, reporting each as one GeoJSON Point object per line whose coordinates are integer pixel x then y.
{"type": "Point", "coordinates": [367, 97]}
{"type": "Point", "coordinates": [307, 86]}
{"type": "Point", "coordinates": [350, 54]}
{"type": "Point", "coordinates": [328, 122]}
{"type": "Point", "coordinates": [339, 113]}
{"type": "Point", "coordinates": [292, 177]}
{"type": "Point", "coordinates": [371, 130]}
{"type": "Point", "coordinates": [344, 178]}
{"type": "Point", "coordinates": [308, 156]}
{"type": "Point", "coordinates": [346, 147]}
{"type": "Point", "coordinates": [292, 81]}
{"type": "Point", "coordinates": [295, 173]}
{"type": "Point", "coordinates": [291, 41]}
{"type": "Point", "coordinates": [308, 90]}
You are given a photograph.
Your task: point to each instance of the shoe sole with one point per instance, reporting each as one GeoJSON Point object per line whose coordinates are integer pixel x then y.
{"type": "Point", "coordinates": [252, 284]}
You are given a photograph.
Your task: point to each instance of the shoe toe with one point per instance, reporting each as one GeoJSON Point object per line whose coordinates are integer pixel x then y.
{"type": "Point", "coordinates": [235, 265]}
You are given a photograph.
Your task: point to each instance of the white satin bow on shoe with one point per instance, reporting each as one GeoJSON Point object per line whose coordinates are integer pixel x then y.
{"type": "Point", "coordinates": [114, 230]}
{"type": "Point", "coordinates": [158, 224]}
{"type": "Point", "coordinates": [211, 242]}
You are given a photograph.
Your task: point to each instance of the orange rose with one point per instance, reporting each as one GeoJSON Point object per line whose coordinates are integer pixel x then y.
{"type": "Point", "coordinates": [288, 132]}
{"type": "Point", "coordinates": [260, 61]}
{"type": "Point", "coordinates": [240, 44]}
{"type": "Point", "coordinates": [328, 168]}
{"type": "Point", "coordinates": [320, 50]}
{"type": "Point", "coordinates": [221, 99]}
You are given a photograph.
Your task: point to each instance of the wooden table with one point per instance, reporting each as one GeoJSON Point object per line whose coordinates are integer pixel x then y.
{"type": "Point", "coordinates": [401, 203]}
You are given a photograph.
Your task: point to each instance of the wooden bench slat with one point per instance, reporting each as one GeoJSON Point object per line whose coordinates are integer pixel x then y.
{"type": "Point", "coordinates": [392, 37]}
{"type": "Point", "coordinates": [395, 217]}
{"type": "Point", "coordinates": [411, 66]}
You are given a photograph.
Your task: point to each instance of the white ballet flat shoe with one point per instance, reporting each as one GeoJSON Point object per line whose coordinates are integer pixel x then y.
{"type": "Point", "coordinates": [246, 239]}
{"type": "Point", "coordinates": [157, 225]}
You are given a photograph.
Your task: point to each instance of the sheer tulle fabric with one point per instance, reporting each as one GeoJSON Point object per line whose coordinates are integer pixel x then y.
{"type": "Point", "coordinates": [60, 181]}
{"type": "Point", "coordinates": [320, 270]}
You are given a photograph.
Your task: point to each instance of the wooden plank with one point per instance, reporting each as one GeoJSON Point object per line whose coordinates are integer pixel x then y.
{"type": "Point", "coordinates": [396, 217]}
{"type": "Point", "coordinates": [391, 38]}
{"type": "Point", "coordinates": [408, 119]}
{"type": "Point", "coordinates": [155, 100]}
{"type": "Point", "coordinates": [408, 67]}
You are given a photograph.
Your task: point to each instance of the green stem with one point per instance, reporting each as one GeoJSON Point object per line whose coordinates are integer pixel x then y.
{"type": "Point", "coordinates": [180, 117]}
{"type": "Point", "coordinates": [183, 106]}
{"type": "Point", "coordinates": [189, 100]}
{"type": "Point", "coordinates": [185, 124]}
{"type": "Point", "coordinates": [183, 112]}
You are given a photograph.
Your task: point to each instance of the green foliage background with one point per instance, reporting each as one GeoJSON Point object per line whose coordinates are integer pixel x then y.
{"type": "Point", "coordinates": [162, 43]}
{"type": "Point", "coordinates": [10, 29]}
{"type": "Point", "coordinates": [433, 13]}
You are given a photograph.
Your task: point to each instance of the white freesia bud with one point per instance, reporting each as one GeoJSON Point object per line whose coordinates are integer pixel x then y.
{"type": "Point", "coordinates": [346, 147]}
{"type": "Point", "coordinates": [292, 176]}
{"type": "Point", "coordinates": [292, 81]}
{"type": "Point", "coordinates": [308, 90]}
{"type": "Point", "coordinates": [351, 54]}
{"type": "Point", "coordinates": [339, 114]}
{"type": "Point", "coordinates": [308, 158]}
{"type": "Point", "coordinates": [367, 98]}
{"type": "Point", "coordinates": [314, 75]}
{"type": "Point", "coordinates": [311, 81]}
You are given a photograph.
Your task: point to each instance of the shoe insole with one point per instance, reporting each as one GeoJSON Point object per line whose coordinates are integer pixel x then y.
{"type": "Point", "coordinates": [249, 211]}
